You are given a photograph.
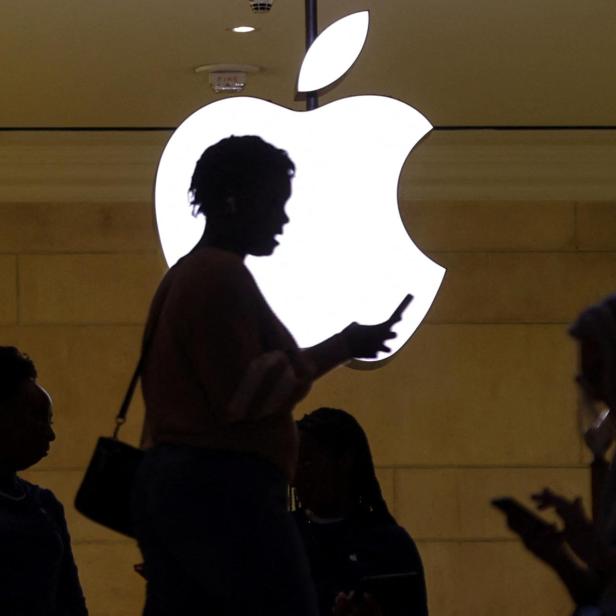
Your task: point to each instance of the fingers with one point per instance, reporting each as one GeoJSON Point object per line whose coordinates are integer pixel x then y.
{"type": "Point", "coordinates": [382, 347]}
{"type": "Point", "coordinates": [368, 341]}
{"type": "Point", "coordinates": [342, 604]}
{"type": "Point", "coordinates": [546, 498]}
{"type": "Point", "coordinates": [564, 507]}
{"type": "Point", "coordinates": [542, 499]}
{"type": "Point", "coordinates": [383, 332]}
{"type": "Point", "coordinates": [387, 325]}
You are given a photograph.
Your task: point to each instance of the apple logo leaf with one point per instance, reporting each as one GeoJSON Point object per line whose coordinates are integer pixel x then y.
{"type": "Point", "coordinates": [333, 52]}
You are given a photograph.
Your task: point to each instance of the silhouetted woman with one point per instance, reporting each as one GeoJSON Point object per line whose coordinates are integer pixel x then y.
{"type": "Point", "coordinates": [38, 576]}
{"type": "Point", "coordinates": [220, 381]}
{"type": "Point", "coordinates": [352, 541]}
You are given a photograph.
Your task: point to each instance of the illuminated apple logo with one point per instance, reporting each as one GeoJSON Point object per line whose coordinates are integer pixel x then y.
{"type": "Point", "coordinates": [345, 254]}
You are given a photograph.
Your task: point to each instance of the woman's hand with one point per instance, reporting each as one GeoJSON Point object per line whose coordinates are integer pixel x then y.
{"type": "Point", "coordinates": [547, 543]}
{"type": "Point", "coordinates": [571, 512]}
{"type": "Point", "coordinates": [355, 340]}
{"type": "Point", "coordinates": [366, 341]}
{"type": "Point", "coordinates": [579, 531]}
{"type": "Point", "coordinates": [349, 605]}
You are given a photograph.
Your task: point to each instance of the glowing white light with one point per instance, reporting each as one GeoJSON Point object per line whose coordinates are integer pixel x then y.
{"type": "Point", "coordinates": [243, 29]}
{"type": "Point", "coordinates": [345, 255]}
{"type": "Point", "coordinates": [334, 51]}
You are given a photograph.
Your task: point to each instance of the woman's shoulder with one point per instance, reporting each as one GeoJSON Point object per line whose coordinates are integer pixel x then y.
{"type": "Point", "coordinates": [42, 497]}
{"type": "Point", "coordinates": [399, 544]}
{"type": "Point", "coordinates": [390, 530]}
{"type": "Point", "coordinates": [206, 281]}
{"type": "Point", "coordinates": [210, 266]}
{"type": "Point", "coordinates": [389, 535]}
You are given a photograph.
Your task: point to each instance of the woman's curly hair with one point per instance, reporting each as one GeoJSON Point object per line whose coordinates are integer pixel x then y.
{"type": "Point", "coordinates": [15, 367]}
{"type": "Point", "coordinates": [235, 167]}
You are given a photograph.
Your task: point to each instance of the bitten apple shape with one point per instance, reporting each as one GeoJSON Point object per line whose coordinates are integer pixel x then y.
{"type": "Point", "coordinates": [345, 254]}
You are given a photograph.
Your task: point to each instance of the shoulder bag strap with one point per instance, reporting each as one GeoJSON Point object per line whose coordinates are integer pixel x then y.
{"type": "Point", "coordinates": [121, 416]}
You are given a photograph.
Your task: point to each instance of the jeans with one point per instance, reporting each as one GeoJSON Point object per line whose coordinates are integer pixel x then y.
{"type": "Point", "coordinates": [216, 536]}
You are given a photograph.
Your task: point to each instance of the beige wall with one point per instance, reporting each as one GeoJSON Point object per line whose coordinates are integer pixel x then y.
{"type": "Point", "coordinates": [480, 403]}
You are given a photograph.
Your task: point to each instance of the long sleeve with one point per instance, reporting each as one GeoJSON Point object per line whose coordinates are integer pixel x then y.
{"type": "Point", "coordinates": [70, 599]}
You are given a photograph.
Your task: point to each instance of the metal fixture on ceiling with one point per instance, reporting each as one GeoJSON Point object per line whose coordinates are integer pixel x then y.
{"type": "Point", "coordinates": [260, 6]}
{"type": "Point", "coordinates": [227, 78]}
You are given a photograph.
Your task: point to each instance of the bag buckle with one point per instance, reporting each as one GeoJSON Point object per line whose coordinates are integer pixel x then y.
{"type": "Point", "coordinates": [120, 421]}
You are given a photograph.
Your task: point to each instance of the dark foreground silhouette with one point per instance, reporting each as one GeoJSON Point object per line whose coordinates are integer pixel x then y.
{"type": "Point", "coordinates": [582, 552]}
{"type": "Point", "coordinates": [38, 576]}
{"type": "Point", "coordinates": [220, 380]}
{"type": "Point", "coordinates": [362, 562]}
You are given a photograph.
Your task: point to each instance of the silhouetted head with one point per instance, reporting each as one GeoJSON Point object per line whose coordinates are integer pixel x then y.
{"type": "Point", "coordinates": [241, 185]}
{"type": "Point", "coordinates": [595, 331]}
{"type": "Point", "coordinates": [335, 473]}
{"type": "Point", "coordinates": [25, 412]}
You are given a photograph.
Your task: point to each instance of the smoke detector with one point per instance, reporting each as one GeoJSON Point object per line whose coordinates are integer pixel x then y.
{"type": "Point", "coordinates": [228, 78]}
{"type": "Point", "coordinates": [261, 6]}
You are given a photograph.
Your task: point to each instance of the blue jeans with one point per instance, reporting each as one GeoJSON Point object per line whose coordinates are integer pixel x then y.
{"type": "Point", "coordinates": [216, 536]}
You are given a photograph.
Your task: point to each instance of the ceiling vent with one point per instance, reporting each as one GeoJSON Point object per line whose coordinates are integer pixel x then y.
{"type": "Point", "coordinates": [260, 6]}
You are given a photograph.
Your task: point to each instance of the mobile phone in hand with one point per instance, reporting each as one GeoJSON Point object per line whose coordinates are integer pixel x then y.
{"type": "Point", "coordinates": [519, 518]}
{"type": "Point", "coordinates": [377, 584]}
{"type": "Point", "coordinates": [396, 315]}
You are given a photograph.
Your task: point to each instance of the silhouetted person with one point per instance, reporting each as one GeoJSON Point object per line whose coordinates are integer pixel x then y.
{"type": "Point", "coordinates": [565, 551]}
{"type": "Point", "coordinates": [38, 576]}
{"type": "Point", "coordinates": [351, 539]}
{"type": "Point", "coordinates": [595, 333]}
{"type": "Point", "coordinates": [583, 552]}
{"type": "Point", "coordinates": [220, 380]}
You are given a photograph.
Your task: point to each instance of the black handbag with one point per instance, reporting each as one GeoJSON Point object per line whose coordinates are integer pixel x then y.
{"type": "Point", "coordinates": [105, 492]}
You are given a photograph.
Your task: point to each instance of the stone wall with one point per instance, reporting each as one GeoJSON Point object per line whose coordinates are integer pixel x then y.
{"type": "Point", "coordinates": [480, 403]}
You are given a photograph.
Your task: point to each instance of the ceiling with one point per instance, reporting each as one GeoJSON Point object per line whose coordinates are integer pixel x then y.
{"type": "Point", "coordinates": [129, 63]}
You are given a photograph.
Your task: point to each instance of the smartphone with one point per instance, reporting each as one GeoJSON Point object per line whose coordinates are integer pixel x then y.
{"type": "Point", "coordinates": [396, 315]}
{"type": "Point", "coordinates": [376, 584]}
{"type": "Point", "coordinates": [519, 518]}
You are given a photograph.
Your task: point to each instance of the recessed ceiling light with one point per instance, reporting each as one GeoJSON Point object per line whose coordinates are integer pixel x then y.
{"type": "Point", "coordinates": [243, 29]}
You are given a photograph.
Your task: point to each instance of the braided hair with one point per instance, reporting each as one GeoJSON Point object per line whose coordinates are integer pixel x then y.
{"type": "Point", "coordinates": [338, 433]}
{"type": "Point", "coordinates": [235, 166]}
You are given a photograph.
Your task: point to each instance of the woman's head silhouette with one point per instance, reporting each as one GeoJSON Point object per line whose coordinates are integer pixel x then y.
{"type": "Point", "coordinates": [241, 185]}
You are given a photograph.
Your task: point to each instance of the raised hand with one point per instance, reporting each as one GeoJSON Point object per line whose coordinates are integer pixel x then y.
{"type": "Point", "coordinates": [569, 511]}
{"type": "Point", "coordinates": [547, 542]}
{"type": "Point", "coordinates": [351, 605]}
{"type": "Point", "coordinates": [366, 341]}
{"type": "Point", "coordinates": [579, 531]}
